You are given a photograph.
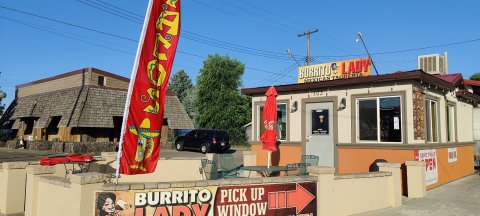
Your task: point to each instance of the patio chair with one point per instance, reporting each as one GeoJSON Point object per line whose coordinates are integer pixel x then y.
{"type": "Point", "coordinates": [228, 169]}
{"type": "Point", "coordinates": [311, 160]}
{"type": "Point", "coordinates": [209, 170]}
{"type": "Point", "coordinates": [297, 169]}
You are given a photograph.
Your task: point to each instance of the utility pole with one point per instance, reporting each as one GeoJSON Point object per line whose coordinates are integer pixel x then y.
{"type": "Point", "coordinates": [308, 33]}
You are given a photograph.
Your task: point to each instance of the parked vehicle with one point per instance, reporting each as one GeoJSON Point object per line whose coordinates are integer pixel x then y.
{"type": "Point", "coordinates": [205, 140]}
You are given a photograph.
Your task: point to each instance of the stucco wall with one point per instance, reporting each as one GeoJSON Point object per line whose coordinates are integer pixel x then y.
{"type": "Point", "coordinates": [463, 110]}
{"type": "Point", "coordinates": [344, 118]}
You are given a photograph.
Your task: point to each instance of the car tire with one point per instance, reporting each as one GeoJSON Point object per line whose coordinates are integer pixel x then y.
{"type": "Point", "coordinates": [179, 146]}
{"type": "Point", "coordinates": [204, 148]}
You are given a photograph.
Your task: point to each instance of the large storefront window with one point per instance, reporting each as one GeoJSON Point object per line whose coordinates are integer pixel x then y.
{"type": "Point", "coordinates": [431, 120]}
{"type": "Point", "coordinates": [280, 126]}
{"type": "Point", "coordinates": [379, 119]}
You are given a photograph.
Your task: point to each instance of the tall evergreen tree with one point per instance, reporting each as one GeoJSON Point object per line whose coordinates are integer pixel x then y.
{"type": "Point", "coordinates": [219, 102]}
{"type": "Point", "coordinates": [180, 83]}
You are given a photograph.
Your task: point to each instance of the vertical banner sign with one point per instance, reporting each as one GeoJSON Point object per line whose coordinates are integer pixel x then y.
{"type": "Point", "coordinates": [430, 158]}
{"type": "Point", "coordinates": [145, 104]}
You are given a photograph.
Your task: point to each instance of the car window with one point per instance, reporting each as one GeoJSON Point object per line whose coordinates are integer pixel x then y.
{"type": "Point", "coordinates": [191, 133]}
{"type": "Point", "coordinates": [222, 134]}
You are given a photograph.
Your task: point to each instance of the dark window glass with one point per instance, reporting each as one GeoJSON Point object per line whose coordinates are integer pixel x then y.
{"type": "Point", "coordinates": [281, 124]}
{"type": "Point", "coordinates": [191, 133]}
{"type": "Point", "coordinates": [367, 119]}
{"type": "Point", "coordinates": [390, 120]}
{"type": "Point", "coordinates": [101, 80]}
{"type": "Point", "coordinates": [281, 121]}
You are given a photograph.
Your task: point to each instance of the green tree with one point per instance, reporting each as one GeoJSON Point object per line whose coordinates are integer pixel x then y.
{"type": "Point", "coordinates": [189, 104]}
{"type": "Point", "coordinates": [219, 102]}
{"type": "Point", "coordinates": [475, 76]}
{"type": "Point", "coordinates": [180, 83]}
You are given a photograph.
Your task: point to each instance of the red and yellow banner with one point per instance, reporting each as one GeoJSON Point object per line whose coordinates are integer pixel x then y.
{"type": "Point", "coordinates": [334, 70]}
{"type": "Point", "coordinates": [140, 143]}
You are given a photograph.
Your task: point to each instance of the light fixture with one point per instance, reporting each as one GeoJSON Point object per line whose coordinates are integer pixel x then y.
{"type": "Point", "coordinates": [294, 107]}
{"type": "Point", "coordinates": [360, 38]}
{"type": "Point", "coordinates": [342, 105]}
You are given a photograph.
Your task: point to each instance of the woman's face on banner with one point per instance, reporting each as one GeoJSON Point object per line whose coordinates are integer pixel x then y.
{"type": "Point", "coordinates": [109, 206]}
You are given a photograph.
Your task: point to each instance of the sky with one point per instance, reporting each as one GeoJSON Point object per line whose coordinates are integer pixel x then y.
{"type": "Point", "coordinates": [40, 39]}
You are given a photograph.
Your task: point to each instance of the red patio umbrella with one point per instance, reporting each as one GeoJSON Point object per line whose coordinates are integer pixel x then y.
{"type": "Point", "coordinates": [269, 136]}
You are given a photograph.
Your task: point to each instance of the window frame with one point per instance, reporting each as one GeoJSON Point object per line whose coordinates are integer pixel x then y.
{"type": "Point", "coordinates": [437, 117]}
{"type": "Point", "coordinates": [377, 99]}
{"type": "Point", "coordinates": [453, 122]}
{"type": "Point", "coordinates": [259, 123]}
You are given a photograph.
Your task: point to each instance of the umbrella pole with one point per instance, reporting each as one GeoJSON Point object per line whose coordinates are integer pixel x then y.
{"type": "Point", "coordinates": [269, 155]}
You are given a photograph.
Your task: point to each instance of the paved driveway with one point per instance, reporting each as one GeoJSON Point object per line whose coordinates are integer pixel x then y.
{"type": "Point", "coordinates": [460, 198]}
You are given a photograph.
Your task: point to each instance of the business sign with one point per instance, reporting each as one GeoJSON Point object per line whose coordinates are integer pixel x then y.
{"type": "Point", "coordinates": [430, 158]}
{"type": "Point", "coordinates": [269, 200]}
{"type": "Point", "coordinates": [334, 70]}
{"type": "Point", "coordinates": [452, 155]}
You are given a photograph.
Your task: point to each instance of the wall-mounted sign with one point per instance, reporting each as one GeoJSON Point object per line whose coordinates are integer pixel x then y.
{"type": "Point", "coordinates": [430, 158]}
{"type": "Point", "coordinates": [268, 199]}
{"type": "Point", "coordinates": [452, 155]}
{"type": "Point", "coordinates": [334, 70]}
{"type": "Point", "coordinates": [320, 122]}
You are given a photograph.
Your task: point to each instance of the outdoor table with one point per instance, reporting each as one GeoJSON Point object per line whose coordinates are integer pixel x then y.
{"type": "Point", "coordinates": [266, 171]}
{"type": "Point", "coordinates": [76, 167]}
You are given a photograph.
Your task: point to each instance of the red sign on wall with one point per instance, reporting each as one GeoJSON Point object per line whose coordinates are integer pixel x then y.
{"type": "Point", "coordinates": [272, 199]}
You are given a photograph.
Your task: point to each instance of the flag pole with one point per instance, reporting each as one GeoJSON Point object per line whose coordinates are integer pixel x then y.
{"type": "Point", "coordinates": [130, 89]}
{"type": "Point", "coordinates": [269, 155]}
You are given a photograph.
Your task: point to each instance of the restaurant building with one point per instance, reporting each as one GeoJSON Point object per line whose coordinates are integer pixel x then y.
{"type": "Point", "coordinates": [352, 120]}
{"type": "Point", "coordinates": [84, 105]}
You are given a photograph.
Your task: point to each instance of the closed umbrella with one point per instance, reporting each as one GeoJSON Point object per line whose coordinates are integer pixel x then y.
{"type": "Point", "coordinates": [269, 136]}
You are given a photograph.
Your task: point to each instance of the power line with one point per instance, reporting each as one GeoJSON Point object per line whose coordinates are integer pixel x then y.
{"type": "Point", "coordinates": [63, 35]}
{"type": "Point", "coordinates": [237, 48]}
{"type": "Point", "coordinates": [70, 24]}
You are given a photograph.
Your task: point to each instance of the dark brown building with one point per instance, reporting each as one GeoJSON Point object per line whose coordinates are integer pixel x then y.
{"type": "Point", "coordinates": [85, 105]}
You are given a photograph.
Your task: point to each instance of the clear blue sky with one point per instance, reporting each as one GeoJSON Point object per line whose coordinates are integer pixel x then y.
{"type": "Point", "coordinates": [256, 33]}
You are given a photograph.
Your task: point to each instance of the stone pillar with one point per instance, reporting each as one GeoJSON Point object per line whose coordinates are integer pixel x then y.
{"type": "Point", "coordinates": [249, 159]}
{"type": "Point", "coordinates": [12, 187]}
{"type": "Point", "coordinates": [31, 195]}
{"type": "Point", "coordinates": [325, 189]}
{"type": "Point", "coordinates": [83, 186]}
{"type": "Point", "coordinates": [416, 179]}
{"type": "Point", "coordinates": [395, 184]}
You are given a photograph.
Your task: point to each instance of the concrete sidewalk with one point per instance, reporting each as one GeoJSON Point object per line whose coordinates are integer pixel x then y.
{"type": "Point", "coordinates": [461, 197]}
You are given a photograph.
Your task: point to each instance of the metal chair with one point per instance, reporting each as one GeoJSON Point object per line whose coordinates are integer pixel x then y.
{"type": "Point", "coordinates": [208, 170]}
{"type": "Point", "coordinates": [312, 160]}
{"type": "Point", "coordinates": [297, 169]}
{"type": "Point", "coordinates": [228, 169]}
{"type": "Point", "coordinates": [476, 161]}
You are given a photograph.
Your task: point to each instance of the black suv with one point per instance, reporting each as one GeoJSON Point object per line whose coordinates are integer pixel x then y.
{"type": "Point", "coordinates": [205, 140]}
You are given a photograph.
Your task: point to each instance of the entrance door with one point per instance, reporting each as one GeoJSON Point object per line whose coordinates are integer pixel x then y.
{"type": "Point", "coordinates": [319, 132]}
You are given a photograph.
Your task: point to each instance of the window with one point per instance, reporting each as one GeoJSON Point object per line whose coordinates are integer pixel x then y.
{"type": "Point", "coordinates": [281, 124]}
{"type": "Point", "coordinates": [450, 123]}
{"type": "Point", "coordinates": [379, 119]}
{"type": "Point", "coordinates": [431, 120]}
{"type": "Point", "coordinates": [101, 80]}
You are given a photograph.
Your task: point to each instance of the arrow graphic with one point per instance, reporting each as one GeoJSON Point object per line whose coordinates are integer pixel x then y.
{"type": "Point", "coordinates": [298, 199]}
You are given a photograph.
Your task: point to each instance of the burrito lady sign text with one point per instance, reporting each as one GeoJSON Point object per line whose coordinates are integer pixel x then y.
{"type": "Point", "coordinates": [334, 70]}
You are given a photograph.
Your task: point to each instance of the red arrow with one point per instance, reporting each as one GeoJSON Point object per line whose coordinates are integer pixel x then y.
{"type": "Point", "coordinates": [299, 198]}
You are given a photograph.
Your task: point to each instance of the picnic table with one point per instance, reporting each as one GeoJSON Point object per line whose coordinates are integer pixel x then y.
{"type": "Point", "coordinates": [266, 171]}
